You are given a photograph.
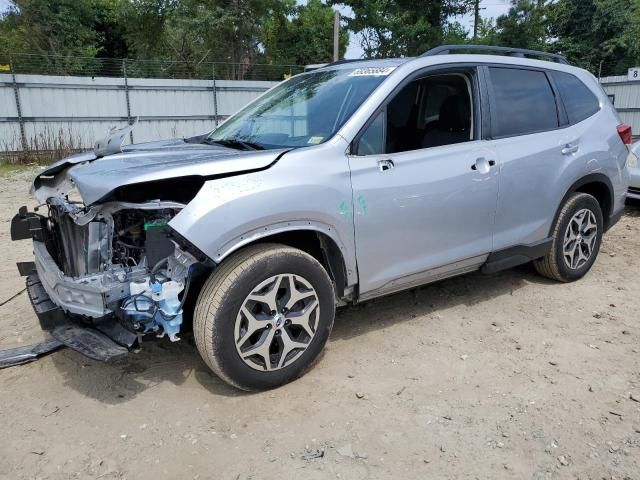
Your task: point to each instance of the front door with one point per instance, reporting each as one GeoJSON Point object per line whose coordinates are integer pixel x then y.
{"type": "Point", "coordinates": [424, 191]}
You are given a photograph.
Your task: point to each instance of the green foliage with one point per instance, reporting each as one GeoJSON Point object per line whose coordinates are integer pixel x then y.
{"type": "Point", "coordinates": [188, 31]}
{"type": "Point", "coordinates": [524, 26]}
{"type": "Point", "coordinates": [302, 34]}
{"type": "Point", "coordinates": [454, 33]}
{"type": "Point", "coordinates": [602, 36]}
{"type": "Point", "coordinates": [395, 28]}
{"type": "Point", "coordinates": [597, 34]}
{"type": "Point", "coordinates": [68, 27]}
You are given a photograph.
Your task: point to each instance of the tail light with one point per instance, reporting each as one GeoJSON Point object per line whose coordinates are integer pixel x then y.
{"type": "Point", "coordinates": [624, 131]}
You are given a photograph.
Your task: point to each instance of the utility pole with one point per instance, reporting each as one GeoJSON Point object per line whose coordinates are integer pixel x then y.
{"type": "Point", "coordinates": [336, 37]}
{"type": "Point", "coordinates": [476, 18]}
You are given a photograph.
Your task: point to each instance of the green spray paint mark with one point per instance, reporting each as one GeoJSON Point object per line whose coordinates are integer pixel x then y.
{"type": "Point", "coordinates": [363, 203]}
{"type": "Point", "coordinates": [345, 209]}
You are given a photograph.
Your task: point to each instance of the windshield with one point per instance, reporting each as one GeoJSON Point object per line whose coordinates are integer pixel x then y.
{"type": "Point", "coordinates": [305, 110]}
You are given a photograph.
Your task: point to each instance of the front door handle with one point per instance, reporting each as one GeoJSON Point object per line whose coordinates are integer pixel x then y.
{"type": "Point", "coordinates": [483, 165]}
{"type": "Point", "coordinates": [384, 165]}
{"type": "Point", "coordinates": [569, 149]}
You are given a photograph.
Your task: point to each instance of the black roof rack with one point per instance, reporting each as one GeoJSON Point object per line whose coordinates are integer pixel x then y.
{"type": "Point", "coordinates": [513, 52]}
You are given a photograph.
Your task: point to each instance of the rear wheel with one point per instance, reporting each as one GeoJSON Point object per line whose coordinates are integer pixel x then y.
{"type": "Point", "coordinates": [577, 236]}
{"type": "Point", "coordinates": [264, 316]}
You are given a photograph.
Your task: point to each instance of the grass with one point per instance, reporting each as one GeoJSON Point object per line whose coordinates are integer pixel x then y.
{"type": "Point", "coordinates": [7, 169]}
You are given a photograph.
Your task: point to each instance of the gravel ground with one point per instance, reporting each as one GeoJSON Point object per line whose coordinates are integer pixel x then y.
{"type": "Point", "coordinates": [491, 377]}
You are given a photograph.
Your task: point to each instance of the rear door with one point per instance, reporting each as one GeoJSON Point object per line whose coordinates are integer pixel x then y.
{"type": "Point", "coordinates": [534, 148]}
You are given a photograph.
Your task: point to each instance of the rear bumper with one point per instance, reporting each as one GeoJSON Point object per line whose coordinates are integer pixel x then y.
{"type": "Point", "coordinates": [634, 183]}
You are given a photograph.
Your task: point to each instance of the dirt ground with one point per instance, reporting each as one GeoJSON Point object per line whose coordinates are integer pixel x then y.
{"type": "Point", "coordinates": [489, 377]}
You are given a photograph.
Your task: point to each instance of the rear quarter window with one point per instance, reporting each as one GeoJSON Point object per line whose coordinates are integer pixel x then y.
{"type": "Point", "coordinates": [523, 102]}
{"type": "Point", "coordinates": [579, 101]}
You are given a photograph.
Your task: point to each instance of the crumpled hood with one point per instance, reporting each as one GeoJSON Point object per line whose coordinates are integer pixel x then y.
{"type": "Point", "coordinates": [96, 177]}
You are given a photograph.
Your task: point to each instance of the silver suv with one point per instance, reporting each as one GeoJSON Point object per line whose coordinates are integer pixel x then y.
{"type": "Point", "coordinates": [352, 181]}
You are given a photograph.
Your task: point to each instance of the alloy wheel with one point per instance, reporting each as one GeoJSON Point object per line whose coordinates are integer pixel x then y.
{"type": "Point", "coordinates": [580, 239]}
{"type": "Point", "coordinates": [276, 322]}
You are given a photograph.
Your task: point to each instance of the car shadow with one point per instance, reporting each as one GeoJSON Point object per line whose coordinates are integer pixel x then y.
{"type": "Point", "coordinates": [468, 290]}
{"type": "Point", "coordinates": [158, 362]}
{"type": "Point", "coordinates": [632, 208]}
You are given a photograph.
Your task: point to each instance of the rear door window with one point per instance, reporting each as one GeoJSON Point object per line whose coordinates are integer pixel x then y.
{"type": "Point", "coordinates": [523, 102]}
{"type": "Point", "coordinates": [579, 102]}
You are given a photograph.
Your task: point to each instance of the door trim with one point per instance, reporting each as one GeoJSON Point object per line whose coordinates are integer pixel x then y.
{"type": "Point", "coordinates": [429, 276]}
{"type": "Point", "coordinates": [517, 255]}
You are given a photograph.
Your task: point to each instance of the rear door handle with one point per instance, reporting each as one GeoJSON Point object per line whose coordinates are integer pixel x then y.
{"type": "Point", "coordinates": [384, 165]}
{"type": "Point", "coordinates": [569, 149]}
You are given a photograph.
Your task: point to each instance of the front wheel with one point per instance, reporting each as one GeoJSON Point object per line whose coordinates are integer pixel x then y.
{"type": "Point", "coordinates": [263, 316]}
{"type": "Point", "coordinates": [577, 235]}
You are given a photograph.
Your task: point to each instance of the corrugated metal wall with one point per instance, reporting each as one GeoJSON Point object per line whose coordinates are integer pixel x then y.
{"type": "Point", "coordinates": [625, 95]}
{"type": "Point", "coordinates": [82, 109]}
{"type": "Point", "coordinates": [79, 110]}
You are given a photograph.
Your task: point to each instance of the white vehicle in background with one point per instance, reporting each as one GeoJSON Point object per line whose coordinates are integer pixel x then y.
{"type": "Point", "coordinates": [633, 165]}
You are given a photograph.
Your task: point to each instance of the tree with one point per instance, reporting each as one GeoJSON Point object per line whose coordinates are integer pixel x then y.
{"type": "Point", "coordinates": [487, 33]}
{"type": "Point", "coordinates": [524, 26]}
{"type": "Point", "coordinates": [63, 30]}
{"type": "Point", "coordinates": [61, 27]}
{"type": "Point", "coordinates": [396, 28]}
{"type": "Point", "coordinates": [599, 35]}
{"type": "Point", "coordinates": [454, 33]}
{"type": "Point", "coordinates": [303, 36]}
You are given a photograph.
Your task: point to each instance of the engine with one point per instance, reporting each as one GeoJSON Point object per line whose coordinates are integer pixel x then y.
{"type": "Point", "coordinates": [126, 251]}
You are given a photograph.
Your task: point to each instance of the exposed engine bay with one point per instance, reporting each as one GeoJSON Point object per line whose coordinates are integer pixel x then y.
{"type": "Point", "coordinates": [111, 260]}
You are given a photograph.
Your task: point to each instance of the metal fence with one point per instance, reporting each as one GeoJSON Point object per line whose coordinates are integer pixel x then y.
{"type": "Point", "coordinates": [134, 68]}
{"type": "Point", "coordinates": [625, 96]}
{"type": "Point", "coordinates": [40, 113]}
{"type": "Point", "coordinates": [52, 105]}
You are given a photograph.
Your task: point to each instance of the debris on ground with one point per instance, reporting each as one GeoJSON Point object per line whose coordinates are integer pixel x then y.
{"type": "Point", "coordinates": [345, 451]}
{"type": "Point", "coordinates": [313, 454]}
{"type": "Point", "coordinates": [21, 355]}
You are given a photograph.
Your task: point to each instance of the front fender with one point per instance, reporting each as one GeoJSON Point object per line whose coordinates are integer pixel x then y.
{"type": "Point", "coordinates": [229, 213]}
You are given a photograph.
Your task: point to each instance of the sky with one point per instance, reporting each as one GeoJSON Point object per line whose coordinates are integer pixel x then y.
{"type": "Point", "coordinates": [490, 8]}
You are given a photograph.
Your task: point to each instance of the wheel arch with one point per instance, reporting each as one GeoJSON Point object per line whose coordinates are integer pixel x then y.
{"type": "Point", "coordinates": [318, 240]}
{"type": "Point", "coordinates": [597, 185]}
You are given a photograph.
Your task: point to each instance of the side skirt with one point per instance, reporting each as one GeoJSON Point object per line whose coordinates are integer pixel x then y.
{"type": "Point", "coordinates": [517, 255]}
{"type": "Point", "coordinates": [422, 278]}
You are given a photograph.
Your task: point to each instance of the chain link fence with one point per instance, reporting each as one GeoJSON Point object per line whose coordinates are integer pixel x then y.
{"type": "Point", "coordinates": [133, 68]}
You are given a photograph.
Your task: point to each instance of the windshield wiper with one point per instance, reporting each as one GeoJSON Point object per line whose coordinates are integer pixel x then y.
{"type": "Point", "coordinates": [234, 143]}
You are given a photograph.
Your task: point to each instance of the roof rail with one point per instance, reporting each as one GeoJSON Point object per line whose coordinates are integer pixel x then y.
{"type": "Point", "coordinates": [514, 52]}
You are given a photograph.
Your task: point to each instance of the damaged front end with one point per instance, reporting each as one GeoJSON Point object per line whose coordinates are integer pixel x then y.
{"type": "Point", "coordinates": [112, 272]}
{"type": "Point", "coordinates": [108, 269]}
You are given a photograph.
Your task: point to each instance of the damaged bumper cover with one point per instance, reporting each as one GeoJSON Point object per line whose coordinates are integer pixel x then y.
{"type": "Point", "coordinates": [88, 296]}
{"type": "Point", "coordinates": [104, 313]}
{"type": "Point", "coordinates": [89, 341]}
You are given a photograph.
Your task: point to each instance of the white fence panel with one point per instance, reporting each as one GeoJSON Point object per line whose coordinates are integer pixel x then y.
{"type": "Point", "coordinates": [625, 96]}
{"type": "Point", "coordinates": [79, 110]}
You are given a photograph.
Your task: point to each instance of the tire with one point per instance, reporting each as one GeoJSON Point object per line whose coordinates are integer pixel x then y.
{"type": "Point", "coordinates": [556, 264]}
{"type": "Point", "coordinates": [227, 312]}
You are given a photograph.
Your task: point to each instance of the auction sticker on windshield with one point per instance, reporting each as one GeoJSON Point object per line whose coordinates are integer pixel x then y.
{"type": "Point", "coordinates": [372, 72]}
